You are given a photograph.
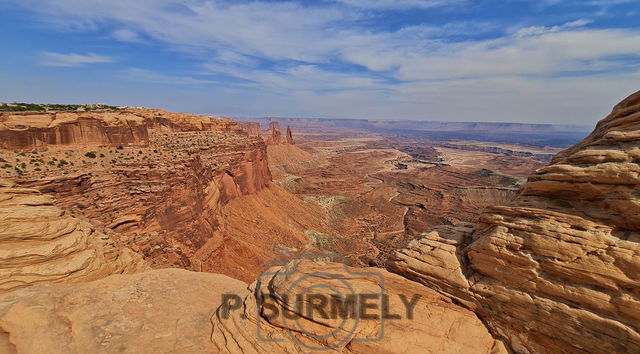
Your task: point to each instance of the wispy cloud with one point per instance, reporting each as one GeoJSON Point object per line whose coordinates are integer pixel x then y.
{"type": "Point", "coordinates": [126, 35]}
{"type": "Point", "coordinates": [149, 76]}
{"type": "Point", "coordinates": [398, 4]}
{"type": "Point", "coordinates": [72, 59]}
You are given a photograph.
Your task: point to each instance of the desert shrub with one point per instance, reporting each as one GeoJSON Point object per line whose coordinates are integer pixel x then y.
{"type": "Point", "coordinates": [119, 147]}
{"type": "Point", "coordinates": [37, 169]}
{"type": "Point", "coordinates": [19, 171]}
{"type": "Point", "coordinates": [51, 163]}
{"type": "Point", "coordinates": [2, 160]}
{"type": "Point", "coordinates": [23, 165]}
{"type": "Point", "coordinates": [90, 154]}
{"type": "Point", "coordinates": [101, 155]}
{"type": "Point", "coordinates": [62, 163]}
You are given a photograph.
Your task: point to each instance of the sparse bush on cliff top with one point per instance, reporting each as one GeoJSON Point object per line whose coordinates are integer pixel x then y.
{"type": "Point", "coordinates": [32, 107]}
{"type": "Point", "coordinates": [91, 155]}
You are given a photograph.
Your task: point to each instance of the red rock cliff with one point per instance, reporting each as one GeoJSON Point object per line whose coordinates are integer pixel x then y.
{"type": "Point", "coordinates": [163, 190]}
{"type": "Point", "coordinates": [40, 131]}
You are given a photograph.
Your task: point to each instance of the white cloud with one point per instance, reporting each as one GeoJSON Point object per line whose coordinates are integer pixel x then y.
{"type": "Point", "coordinates": [72, 59]}
{"type": "Point", "coordinates": [126, 35]}
{"type": "Point", "coordinates": [143, 75]}
{"type": "Point", "coordinates": [398, 4]}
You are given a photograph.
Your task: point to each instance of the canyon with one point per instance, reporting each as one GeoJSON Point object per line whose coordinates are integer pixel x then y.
{"type": "Point", "coordinates": [124, 230]}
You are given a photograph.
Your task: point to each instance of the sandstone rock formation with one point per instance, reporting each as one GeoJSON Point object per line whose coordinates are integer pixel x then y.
{"type": "Point", "coordinates": [274, 134]}
{"type": "Point", "coordinates": [289, 136]}
{"type": "Point", "coordinates": [179, 311]}
{"type": "Point", "coordinates": [163, 192]}
{"type": "Point", "coordinates": [30, 131]}
{"type": "Point", "coordinates": [39, 243]}
{"type": "Point", "coordinates": [152, 312]}
{"type": "Point", "coordinates": [251, 128]}
{"type": "Point", "coordinates": [558, 269]}
{"type": "Point", "coordinates": [436, 326]}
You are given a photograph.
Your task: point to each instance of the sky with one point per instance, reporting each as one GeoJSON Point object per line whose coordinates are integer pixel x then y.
{"type": "Point", "coordinates": [543, 61]}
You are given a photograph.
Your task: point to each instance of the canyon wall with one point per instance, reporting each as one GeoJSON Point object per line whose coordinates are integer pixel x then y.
{"type": "Point", "coordinates": [160, 187]}
{"type": "Point", "coordinates": [558, 269]}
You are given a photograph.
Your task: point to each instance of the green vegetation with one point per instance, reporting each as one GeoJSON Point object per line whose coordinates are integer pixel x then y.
{"type": "Point", "coordinates": [62, 163]}
{"type": "Point", "coordinates": [33, 107]}
{"type": "Point", "coordinates": [91, 154]}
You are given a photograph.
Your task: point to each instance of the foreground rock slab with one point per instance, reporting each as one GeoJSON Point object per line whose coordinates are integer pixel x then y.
{"type": "Point", "coordinates": [272, 320]}
{"type": "Point", "coordinates": [158, 311]}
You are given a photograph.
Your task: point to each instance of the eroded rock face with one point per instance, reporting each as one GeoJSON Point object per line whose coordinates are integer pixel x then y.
{"type": "Point", "coordinates": [40, 244]}
{"type": "Point", "coordinates": [558, 269]}
{"type": "Point", "coordinates": [437, 325]}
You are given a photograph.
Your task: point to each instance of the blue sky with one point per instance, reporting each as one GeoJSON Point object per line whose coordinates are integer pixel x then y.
{"type": "Point", "coordinates": [544, 61]}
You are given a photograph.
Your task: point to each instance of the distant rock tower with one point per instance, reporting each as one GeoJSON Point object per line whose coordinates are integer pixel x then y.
{"type": "Point", "coordinates": [289, 136]}
{"type": "Point", "coordinates": [275, 134]}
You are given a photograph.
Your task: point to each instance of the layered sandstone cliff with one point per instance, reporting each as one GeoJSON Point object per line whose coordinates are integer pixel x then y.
{"type": "Point", "coordinates": [558, 269]}
{"type": "Point", "coordinates": [39, 131]}
{"type": "Point", "coordinates": [39, 243]}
